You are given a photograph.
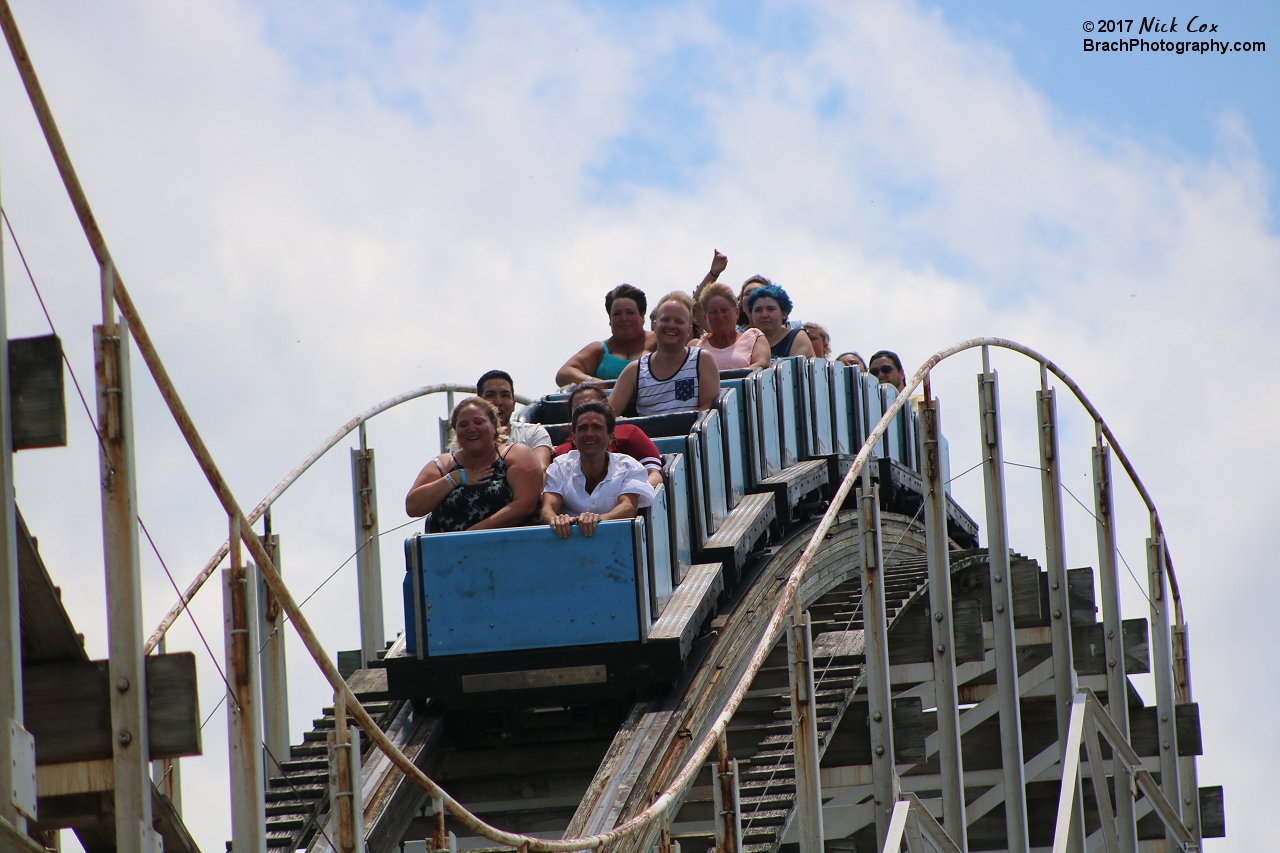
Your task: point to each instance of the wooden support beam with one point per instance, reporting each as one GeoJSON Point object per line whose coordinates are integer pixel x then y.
{"type": "Point", "coordinates": [39, 412]}
{"type": "Point", "coordinates": [68, 709]}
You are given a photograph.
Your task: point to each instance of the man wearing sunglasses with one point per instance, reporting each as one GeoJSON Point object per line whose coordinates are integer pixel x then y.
{"type": "Point", "coordinates": [887, 367]}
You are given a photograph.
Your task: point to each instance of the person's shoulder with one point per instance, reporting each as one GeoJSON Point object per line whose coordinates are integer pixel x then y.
{"type": "Point", "coordinates": [626, 463]}
{"type": "Point", "coordinates": [519, 454]}
{"type": "Point", "coordinates": [534, 435]}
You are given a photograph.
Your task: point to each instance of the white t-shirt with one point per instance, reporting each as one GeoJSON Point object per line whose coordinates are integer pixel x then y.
{"type": "Point", "coordinates": [626, 476]}
{"type": "Point", "coordinates": [530, 435]}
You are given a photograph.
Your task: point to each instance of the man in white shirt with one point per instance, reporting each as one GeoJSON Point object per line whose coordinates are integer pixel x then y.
{"type": "Point", "coordinates": [496, 387]}
{"type": "Point", "coordinates": [590, 485]}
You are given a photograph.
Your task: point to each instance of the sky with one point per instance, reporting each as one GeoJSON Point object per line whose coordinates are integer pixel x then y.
{"type": "Point", "coordinates": [317, 206]}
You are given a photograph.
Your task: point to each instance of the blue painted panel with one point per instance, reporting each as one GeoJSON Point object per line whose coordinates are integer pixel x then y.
{"type": "Point", "coordinates": [715, 485]}
{"type": "Point", "coordinates": [670, 444]}
{"type": "Point", "coordinates": [787, 402]}
{"type": "Point", "coordinates": [735, 443]}
{"type": "Point", "coordinates": [658, 529]}
{"type": "Point", "coordinates": [841, 414]}
{"type": "Point", "coordinates": [770, 428]}
{"type": "Point", "coordinates": [525, 588]}
{"type": "Point", "coordinates": [410, 628]}
{"type": "Point", "coordinates": [680, 521]}
{"type": "Point", "coordinates": [821, 443]}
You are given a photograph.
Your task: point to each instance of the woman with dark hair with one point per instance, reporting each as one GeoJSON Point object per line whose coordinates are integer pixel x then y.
{"type": "Point", "coordinates": [483, 484]}
{"type": "Point", "coordinates": [770, 308]}
{"type": "Point", "coordinates": [590, 485]}
{"type": "Point", "coordinates": [606, 359]}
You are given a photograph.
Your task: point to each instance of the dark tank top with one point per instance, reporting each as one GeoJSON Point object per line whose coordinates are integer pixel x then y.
{"type": "Point", "coordinates": [782, 348]}
{"type": "Point", "coordinates": [469, 505]}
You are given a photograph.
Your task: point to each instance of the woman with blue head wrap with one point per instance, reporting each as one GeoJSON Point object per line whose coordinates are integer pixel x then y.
{"type": "Point", "coordinates": [770, 307]}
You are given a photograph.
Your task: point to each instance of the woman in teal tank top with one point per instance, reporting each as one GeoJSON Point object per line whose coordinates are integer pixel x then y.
{"type": "Point", "coordinates": [610, 365]}
{"type": "Point", "coordinates": [606, 359]}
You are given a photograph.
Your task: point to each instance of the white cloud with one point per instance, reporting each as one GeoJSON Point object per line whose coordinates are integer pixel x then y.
{"type": "Point", "coordinates": [317, 207]}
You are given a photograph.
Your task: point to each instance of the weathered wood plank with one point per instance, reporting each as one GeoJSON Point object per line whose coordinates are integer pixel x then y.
{"type": "Point", "coordinates": [39, 411]}
{"type": "Point", "coordinates": [67, 708]}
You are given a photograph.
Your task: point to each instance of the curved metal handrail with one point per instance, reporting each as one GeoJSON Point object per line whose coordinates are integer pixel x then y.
{"type": "Point", "coordinates": [292, 477]}
{"type": "Point", "coordinates": [693, 763]}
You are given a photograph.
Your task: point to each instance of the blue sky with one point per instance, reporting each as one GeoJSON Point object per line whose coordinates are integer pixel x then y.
{"type": "Point", "coordinates": [318, 205]}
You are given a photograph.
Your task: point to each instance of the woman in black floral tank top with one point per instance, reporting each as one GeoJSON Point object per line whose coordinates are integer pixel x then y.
{"type": "Point", "coordinates": [483, 484]}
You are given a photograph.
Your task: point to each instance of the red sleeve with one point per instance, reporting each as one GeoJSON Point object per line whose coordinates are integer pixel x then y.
{"type": "Point", "coordinates": [632, 441]}
{"type": "Point", "coordinates": [562, 449]}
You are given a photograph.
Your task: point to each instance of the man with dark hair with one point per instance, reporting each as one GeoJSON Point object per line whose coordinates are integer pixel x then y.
{"type": "Point", "coordinates": [887, 367]}
{"type": "Point", "coordinates": [589, 484]}
{"type": "Point", "coordinates": [629, 439]}
{"type": "Point", "coordinates": [496, 387]}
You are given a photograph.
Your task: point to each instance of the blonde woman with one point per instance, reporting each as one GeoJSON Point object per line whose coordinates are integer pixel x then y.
{"type": "Point", "coordinates": [482, 485]}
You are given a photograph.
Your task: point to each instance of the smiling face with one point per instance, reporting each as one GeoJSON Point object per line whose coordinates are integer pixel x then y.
{"type": "Point", "coordinates": [498, 392]}
{"type": "Point", "coordinates": [591, 435]}
{"type": "Point", "coordinates": [674, 324]}
{"type": "Point", "coordinates": [766, 315]}
{"type": "Point", "coordinates": [722, 315]}
{"type": "Point", "coordinates": [625, 319]}
{"type": "Point", "coordinates": [474, 430]}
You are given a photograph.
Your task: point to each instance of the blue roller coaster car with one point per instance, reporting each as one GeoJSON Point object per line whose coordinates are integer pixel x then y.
{"type": "Point", "coordinates": [520, 618]}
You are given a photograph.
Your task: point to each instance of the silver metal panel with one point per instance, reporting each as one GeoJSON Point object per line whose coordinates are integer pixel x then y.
{"type": "Point", "coordinates": [804, 404]}
{"type": "Point", "coordinates": [770, 428]}
{"type": "Point", "coordinates": [841, 410]}
{"type": "Point", "coordinates": [659, 535]}
{"type": "Point", "coordinates": [1011, 756]}
{"type": "Point", "coordinates": [11, 763]}
{"type": "Point", "coordinates": [676, 478]}
{"type": "Point", "coordinates": [873, 410]}
{"type": "Point", "coordinates": [876, 634]}
{"type": "Point", "coordinates": [735, 445]}
{"type": "Point", "coordinates": [1117, 681]}
{"type": "Point", "coordinates": [1162, 670]}
{"type": "Point", "coordinates": [644, 611]}
{"type": "Point", "coordinates": [244, 733]}
{"type": "Point", "coordinates": [697, 489]}
{"type": "Point", "coordinates": [820, 432]}
{"type": "Point", "coordinates": [752, 451]}
{"type": "Point", "coordinates": [946, 463]}
{"type": "Point", "coordinates": [950, 759]}
{"type": "Point", "coordinates": [131, 764]}
{"type": "Point", "coordinates": [893, 435]}
{"type": "Point", "coordinates": [1064, 673]}
{"type": "Point", "coordinates": [275, 679]}
{"type": "Point", "coordinates": [364, 501]}
{"type": "Point", "coordinates": [715, 480]}
{"type": "Point", "coordinates": [804, 733]}
{"type": "Point", "coordinates": [787, 411]}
